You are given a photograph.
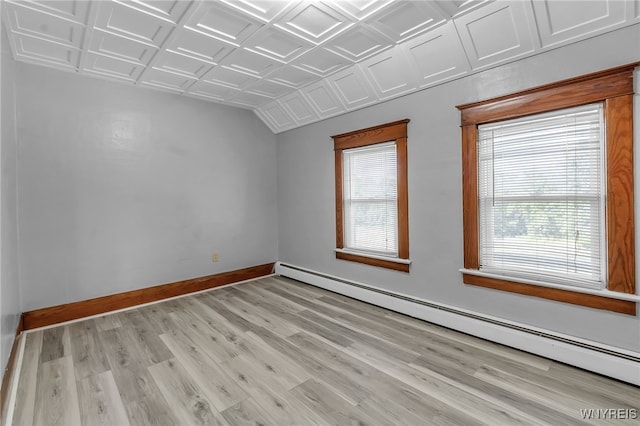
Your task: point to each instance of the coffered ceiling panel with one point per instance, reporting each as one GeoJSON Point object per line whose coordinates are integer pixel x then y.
{"type": "Point", "coordinates": [229, 77]}
{"type": "Point", "coordinates": [314, 21]}
{"type": "Point", "coordinates": [220, 21]}
{"type": "Point", "coordinates": [73, 10]}
{"type": "Point", "coordinates": [107, 66]}
{"type": "Point", "coordinates": [298, 107]}
{"type": "Point", "coordinates": [265, 10]}
{"type": "Point", "coordinates": [455, 8]}
{"type": "Point", "coordinates": [353, 88]}
{"type": "Point", "coordinates": [295, 62]}
{"type": "Point", "coordinates": [122, 48]}
{"type": "Point", "coordinates": [277, 44]}
{"type": "Point", "coordinates": [269, 89]}
{"type": "Point", "coordinates": [496, 33]}
{"type": "Point", "coordinates": [292, 76]}
{"type": "Point", "coordinates": [35, 49]}
{"type": "Point", "coordinates": [560, 21]}
{"type": "Point", "coordinates": [211, 91]}
{"type": "Point", "coordinates": [359, 43]}
{"type": "Point", "coordinates": [249, 100]}
{"type": "Point", "coordinates": [404, 20]}
{"type": "Point", "coordinates": [322, 99]}
{"type": "Point", "coordinates": [184, 65]}
{"type": "Point", "coordinates": [275, 116]}
{"type": "Point", "coordinates": [321, 62]}
{"type": "Point", "coordinates": [250, 63]}
{"type": "Point", "coordinates": [360, 9]}
{"type": "Point", "coordinates": [24, 20]}
{"type": "Point", "coordinates": [166, 80]}
{"type": "Point", "coordinates": [169, 10]}
{"type": "Point", "coordinates": [199, 46]}
{"type": "Point", "coordinates": [437, 56]}
{"type": "Point", "coordinates": [132, 23]}
{"type": "Point", "coordinates": [390, 73]}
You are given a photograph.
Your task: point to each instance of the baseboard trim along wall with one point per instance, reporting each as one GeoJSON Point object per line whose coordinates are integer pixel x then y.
{"type": "Point", "coordinates": [85, 308]}
{"type": "Point", "coordinates": [9, 375]}
{"type": "Point", "coordinates": [607, 360]}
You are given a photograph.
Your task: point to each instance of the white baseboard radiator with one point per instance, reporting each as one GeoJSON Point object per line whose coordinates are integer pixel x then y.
{"type": "Point", "coordinates": [607, 360]}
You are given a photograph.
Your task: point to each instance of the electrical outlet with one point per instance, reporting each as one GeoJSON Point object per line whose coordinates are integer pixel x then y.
{"type": "Point", "coordinates": [215, 257]}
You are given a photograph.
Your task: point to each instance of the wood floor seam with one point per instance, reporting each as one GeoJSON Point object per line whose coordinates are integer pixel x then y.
{"type": "Point", "coordinates": [275, 351]}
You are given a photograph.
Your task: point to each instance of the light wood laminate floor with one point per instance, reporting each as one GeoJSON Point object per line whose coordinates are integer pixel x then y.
{"type": "Point", "coordinates": [278, 352]}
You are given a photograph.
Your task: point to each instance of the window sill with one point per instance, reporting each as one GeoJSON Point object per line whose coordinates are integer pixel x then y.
{"type": "Point", "coordinates": [600, 299]}
{"type": "Point", "coordinates": [374, 260]}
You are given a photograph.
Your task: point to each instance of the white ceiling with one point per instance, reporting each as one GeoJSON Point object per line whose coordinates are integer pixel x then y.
{"type": "Point", "coordinates": [300, 61]}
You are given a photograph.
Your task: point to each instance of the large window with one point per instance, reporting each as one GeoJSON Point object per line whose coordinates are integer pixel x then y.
{"type": "Point", "coordinates": [548, 191]}
{"type": "Point", "coordinates": [371, 196]}
{"type": "Point", "coordinates": [541, 197]}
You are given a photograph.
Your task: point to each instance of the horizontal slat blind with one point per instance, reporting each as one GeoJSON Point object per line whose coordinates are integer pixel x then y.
{"type": "Point", "coordinates": [541, 197]}
{"type": "Point", "coordinates": [370, 199]}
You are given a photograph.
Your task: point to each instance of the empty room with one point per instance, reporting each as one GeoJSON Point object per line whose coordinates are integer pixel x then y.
{"type": "Point", "coordinates": [319, 212]}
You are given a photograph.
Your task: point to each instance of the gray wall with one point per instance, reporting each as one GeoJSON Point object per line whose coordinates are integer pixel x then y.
{"type": "Point", "coordinates": [122, 188]}
{"type": "Point", "coordinates": [9, 286]}
{"type": "Point", "coordinates": [306, 231]}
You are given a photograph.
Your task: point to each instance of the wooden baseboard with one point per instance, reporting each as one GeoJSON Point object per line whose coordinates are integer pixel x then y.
{"type": "Point", "coordinates": [8, 371]}
{"type": "Point", "coordinates": [71, 311]}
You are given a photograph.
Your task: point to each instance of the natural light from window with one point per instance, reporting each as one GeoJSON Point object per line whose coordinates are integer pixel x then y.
{"type": "Point", "coordinates": [370, 191]}
{"type": "Point", "coordinates": [541, 203]}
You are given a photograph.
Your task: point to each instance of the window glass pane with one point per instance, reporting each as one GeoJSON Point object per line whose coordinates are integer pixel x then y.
{"type": "Point", "coordinates": [370, 199]}
{"type": "Point", "coordinates": [372, 226]}
{"type": "Point", "coordinates": [541, 197]}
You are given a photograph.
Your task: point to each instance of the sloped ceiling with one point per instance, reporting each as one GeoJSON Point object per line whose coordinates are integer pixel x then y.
{"type": "Point", "coordinates": [297, 62]}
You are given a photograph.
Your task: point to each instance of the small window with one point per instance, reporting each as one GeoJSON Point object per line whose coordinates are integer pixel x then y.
{"type": "Point", "coordinates": [547, 183]}
{"type": "Point", "coordinates": [371, 196]}
{"type": "Point", "coordinates": [371, 199]}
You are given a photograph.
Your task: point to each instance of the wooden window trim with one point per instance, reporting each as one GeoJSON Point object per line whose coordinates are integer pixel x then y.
{"type": "Point", "coordinates": [390, 132]}
{"type": "Point", "coordinates": [612, 87]}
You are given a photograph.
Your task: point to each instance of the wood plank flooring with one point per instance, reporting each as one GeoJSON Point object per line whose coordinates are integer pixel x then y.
{"type": "Point", "coordinates": [278, 352]}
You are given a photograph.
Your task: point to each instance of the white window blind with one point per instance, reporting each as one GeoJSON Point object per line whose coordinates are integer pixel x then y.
{"type": "Point", "coordinates": [370, 199]}
{"type": "Point", "coordinates": [541, 195]}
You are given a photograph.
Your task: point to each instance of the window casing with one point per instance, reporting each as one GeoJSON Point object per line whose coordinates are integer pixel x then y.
{"type": "Point", "coordinates": [371, 196]}
{"type": "Point", "coordinates": [610, 90]}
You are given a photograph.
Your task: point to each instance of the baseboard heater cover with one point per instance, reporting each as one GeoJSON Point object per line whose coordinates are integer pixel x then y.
{"type": "Point", "coordinates": [607, 360]}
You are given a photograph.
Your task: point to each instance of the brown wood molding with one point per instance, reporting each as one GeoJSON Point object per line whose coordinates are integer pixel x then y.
{"type": "Point", "coordinates": [470, 196]}
{"type": "Point", "coordinates": [576, 91]}
{"type": "Point", "coordinates": [402, 267]}
{"type": "Point", "coordinates": [582, 299]}
{"type": "Point", "coordinates": [10, 369]}
{"type": "Point", "coordinates": [99, 305]}
{"type": "Point", "coordinates": [371, 135]}
{"type": "Point", "coordinates": [403, 198]}
{"type": "Point", "coordinates": [339, 207]}
{"type": "Point", "coordinates": [621, 233]}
